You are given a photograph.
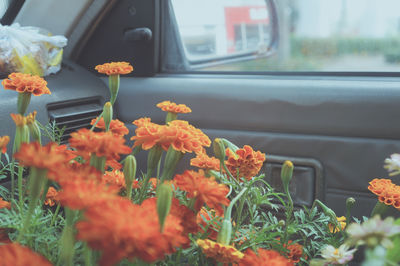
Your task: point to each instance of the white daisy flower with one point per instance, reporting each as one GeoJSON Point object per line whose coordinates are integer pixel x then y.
{"type": "Point", "coordinates": [392, 164]}
{"type": "Point", "coordinates": [373, 232]}
{"type": "Point", "coordinates": [339, 255]}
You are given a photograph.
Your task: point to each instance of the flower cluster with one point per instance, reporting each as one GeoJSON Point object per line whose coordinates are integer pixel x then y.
{"type": "Point", "coordinates": [244, 162]}
{"type": "Point", "coordinates": [179, 134]}
{"type": "Point", "coordinates": [26, 83]}
{"type": "Point", "coordinates": [171, 107]}
{"type": "Point", "coordinates": [387, 192]}
{"type": "Point", "coordinates": [114, 68]}
{"type": "Point", "coordinates": [204, 190]}
{"type": "Point", "coordinates": [117, 127]}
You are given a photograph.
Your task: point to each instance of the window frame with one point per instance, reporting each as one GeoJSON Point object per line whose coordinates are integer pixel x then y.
{"type": "Point", "coordinates": [12, 11]}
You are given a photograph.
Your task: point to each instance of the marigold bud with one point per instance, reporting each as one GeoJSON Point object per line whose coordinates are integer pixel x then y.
{"type": "Point", "coordinates": [107, 115]}
{"type": "Point", "coordinates": [219, 149]}
{"type": "Point", "coordinates": [286, 174]}
{"type": "Point", "coordinates": [129, 173]}
{"type": "Point", "coordinates": [164, 201]}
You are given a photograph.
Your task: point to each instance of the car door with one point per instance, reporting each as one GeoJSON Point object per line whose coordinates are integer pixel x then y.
{"type": "Point", "coordinates": [336, 126]}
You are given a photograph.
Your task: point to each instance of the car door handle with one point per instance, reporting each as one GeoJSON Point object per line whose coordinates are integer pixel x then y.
{"type": "Point", "coordinates": [138, 34]}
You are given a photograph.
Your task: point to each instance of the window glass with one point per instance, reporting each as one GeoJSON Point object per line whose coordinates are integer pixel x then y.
{"type": "Point", "coordinates": [310, 35]}
{"type": "Point", "coordinates": [4, 4]}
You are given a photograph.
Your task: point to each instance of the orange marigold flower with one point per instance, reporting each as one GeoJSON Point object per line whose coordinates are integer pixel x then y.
{"type": "Point", "coordinates": [246, 162]}
{"type": "Point", "coordinates": [117, 127]}
{"type": "Point", "coordinates": [3, 143]}
{"type": "Point", "coordinates": [342, 223]}
{"type": "Point", "coordinates": [26, 83]}
{"type": "Point", "coordinates": [121, 229]}
{"type": "Point", "coordinates": [114, 68]}
{"type": "Point", "coordinates": [80, 193]}
{"type": "Point", "coordinates": [172, 107]}
{"type": "Point", "coordinates": [51, 197]}
{"type": "Point", "coordinates": [48, 157]}
{"type": "Point", "coordinates": [19, 120]}
{"type": "Point", "coordinates": [387, 192]}
{"type": "Point", "coordinates": [142, 121]}
{"type": "Point", "coordinates": [205, 190]}
{"type": "Point", "coordinates": [117, 178]}
{"type": "Point", "coordinates": [221, 253]}
{"type": "Point", "coordinates": [4, 204]}
{"type": "Point", "coordinates": [203, 161]}
{"type": "Point", "coordinates": [210, 222]}
{"type": "Point", "coordinates": [295, 251]}
{"type": "Point", "coordinates": [103, 144]}
{"type": "Point", "coordinates": [264, 258]}
{"type": "Point", "coordinates": [180, 134]}
{"type": "Point", "coordinates": [16, 255]}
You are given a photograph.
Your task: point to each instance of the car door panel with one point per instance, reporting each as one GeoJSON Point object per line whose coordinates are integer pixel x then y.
{"type": "Point", "coordinates": [331, 120]}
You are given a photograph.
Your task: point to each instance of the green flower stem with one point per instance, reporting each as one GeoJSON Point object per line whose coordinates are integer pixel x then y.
{"type": "Point", "coordinates": [53, 220]}
{"type": "Point", "coordinates": [229, 174]}
{"type": "Point", "coordinates": [113, 84]}
{"type": "Point", "coordinates": [36, 179]}
{"type": "Point", "coordinates": [88, 254]}
{"type": "Point", "coordinates": [170, 117]}
{"type": "Point", "coordinates": [289, 212]}
{"type": "Point", "coordinates": [380, 208]}
{"type": "Point", "coordinates": [97, 121]}
{"type": "Point", "coordinates": [23, 101]}
{"type": "Point", "coordinates": [45, 190]}
{"type": "Point", "coordinates": [20, 190]}
{"type": "Point", "coordinates": [67, 240]}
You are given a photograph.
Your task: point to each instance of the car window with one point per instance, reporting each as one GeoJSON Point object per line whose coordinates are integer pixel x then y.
{"type": "Point", "coordinates": [311, 35]}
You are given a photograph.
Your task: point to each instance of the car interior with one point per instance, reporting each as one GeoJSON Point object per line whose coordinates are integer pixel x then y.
{"type": "Point", "coordinates": [337, 127]}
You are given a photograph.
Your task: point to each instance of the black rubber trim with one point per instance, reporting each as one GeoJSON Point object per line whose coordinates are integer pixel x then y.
{"type": "Point", "coordinates": [12, 12]}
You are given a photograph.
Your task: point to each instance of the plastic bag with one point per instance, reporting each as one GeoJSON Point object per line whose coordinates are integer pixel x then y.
{"type": "Point", "coordinates": [30, 50]}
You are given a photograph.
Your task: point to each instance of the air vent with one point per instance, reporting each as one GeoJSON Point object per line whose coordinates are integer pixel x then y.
{"type": "Point", "coordinates": [74, 115]}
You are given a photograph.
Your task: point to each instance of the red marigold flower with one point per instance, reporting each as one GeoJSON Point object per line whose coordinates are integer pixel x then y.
{"type": "Point", "coordinates": [117, 178]}
{"type": "Point", "coordinates": [202, 160]}
{"type": "Point", "coordinates": [387, 192]}
{"type": "Point", "coordinates": [4, 204]}
{"type": "Point", "coordinates": [205, 190]}
{"type": "Point", "coordinates": [26, 83]}
{"type": "Point", "coordinates": [186, 216]}
{"type": "Point", "coordinates": [80, 193]}
{"type": "Point", "coordinates": [51, 197]}
{"type": "Point", "coordinates": [221, 253]}
{"type": "Point", "coordinates": [295, 251]}
{"type": "Point", "coordinates": [117, 127]}
{"type": "Point", "coordinates": [103, 144]}
{"type": "Point", "coordinates": [264, 258]}
{"type": "Point", "coordinates": [3, 143]}
{"type": "Point", "coordinates": [172, 107]}
{"type": "Point", "coordinates": [114, 68]}
{"type": "Point", "coordinates": [121, 229]}
{"type": "Point", "coordinates": [48, 157]}
{"type": "Point", "coordinates": [246, 161]}
{"type": "Point", "coordinates": [210, 222]}
{"type": "Point", "coordinates": [16, 255]}
{"type": "Point", "coordinates": [147, 134]}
